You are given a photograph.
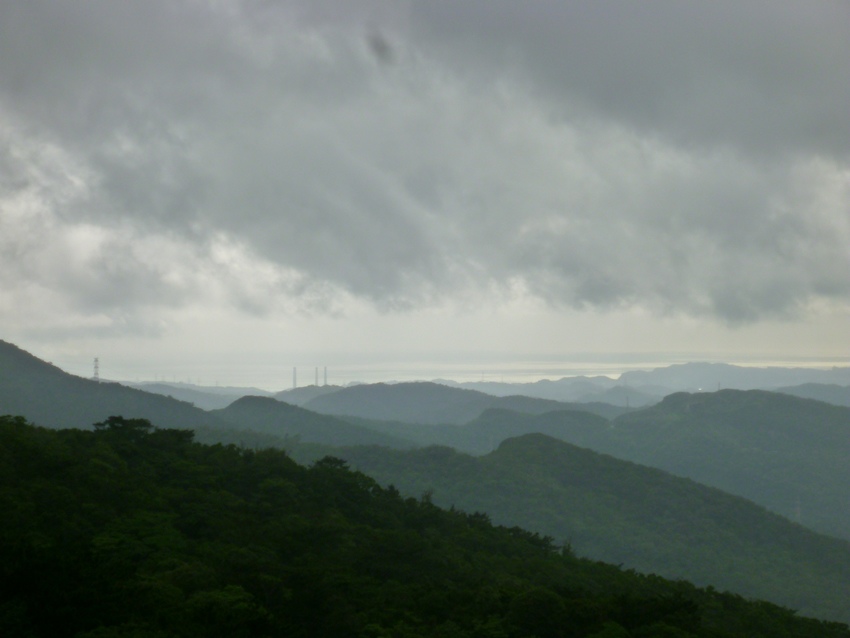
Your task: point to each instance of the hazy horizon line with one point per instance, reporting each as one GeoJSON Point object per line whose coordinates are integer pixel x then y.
{"type": "Point", "coordinates": [277, 377]}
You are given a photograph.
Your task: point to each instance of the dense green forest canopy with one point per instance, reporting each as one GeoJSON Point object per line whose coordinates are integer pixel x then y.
{"type": "Point", "coordinates": [131, 530]}
{"type": "Point", "coordinates": [624, 513]}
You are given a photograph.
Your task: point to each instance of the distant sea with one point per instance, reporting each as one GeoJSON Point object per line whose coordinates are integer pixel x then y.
{"type": "Point", "coordinates": [275, 376]}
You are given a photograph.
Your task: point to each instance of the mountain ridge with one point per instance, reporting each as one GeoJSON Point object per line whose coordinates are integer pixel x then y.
{"type": "Point", "coordinates": [625, 513]}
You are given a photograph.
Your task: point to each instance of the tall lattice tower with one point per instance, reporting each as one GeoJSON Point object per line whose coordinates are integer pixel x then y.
{"type": "Point", "coordinates": [96, 375]}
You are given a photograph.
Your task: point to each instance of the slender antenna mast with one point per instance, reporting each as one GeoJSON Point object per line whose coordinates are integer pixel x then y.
{"type": "Point", "coordinates": [326, 375]}
{"type": "Point", "coordinates": [96, 376]}
{"type": "Point", "coordinates": [317, 376]}
{"type": "Point", "coordinates": [294, 378]}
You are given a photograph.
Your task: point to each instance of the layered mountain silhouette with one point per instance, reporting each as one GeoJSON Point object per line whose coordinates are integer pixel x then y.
{"type": "Point", "coordinates": [787, 453]}
{"type": "Point", "coordinates": [783, 452]}
{"type": "Point", "coordinates": [826, 392]}
{"type": "Point", "coordinates": [434, 403]}
{"type": "Point", "coordinates": [46, 395]}
{"type": "Point", "coordinates": [644, 387]}
{"type": "Point", "coordinates": [624, 513]}
{"type": "Point", "coordinates": [270, 416]}
{"type": "Point", "coordinates": [692, 377]}
{"type": "Point", "coordinates": [204, 397]}
{"type": "Point", "coordinates": [486, 432]}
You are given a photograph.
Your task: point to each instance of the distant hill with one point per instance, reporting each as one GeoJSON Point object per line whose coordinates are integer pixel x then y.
{"type": "Point", "coordinates": [623, 396]}
{"type": "Point", "coordinates": [300, 396]}
{"type": "Point", "coordinates": [826, 392]}
{"type": "Point", "coordinates": [47, 395]}
{"type": "Point", "coordinates": [579, 389]}
{"type": "Point", "coordinates": [270, 416]}
{"type": "Point", "coordinates": [494, 425]}
{"type": "Point", "coordinates": [708, 377]}
{"type": "Point", "coordinates": [565, 389]}
{"type": "Point", "coordinates": [200, 396]}
{"type": "Point", "coordinates": [644, 387]}
{"type": "Point", "coordinates": [787, 453]}
{"type": "Point", "coordinates": [620, 512]}
{"type": "Point", "coordinates": [433, 403]}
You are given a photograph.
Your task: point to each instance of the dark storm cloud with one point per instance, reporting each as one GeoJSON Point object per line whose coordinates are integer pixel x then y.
{"type": "Point", "coordinates": [687, 158]}
{"type": "Point", "coordinates": [760, 75]}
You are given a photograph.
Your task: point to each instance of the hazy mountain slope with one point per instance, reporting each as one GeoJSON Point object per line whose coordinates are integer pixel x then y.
{"type": "Point", "coordinates": [46, 395]}
{"type": "Point", "coordinates": [647, 386]}
{"type": "Point", "coordinates": [300, 396]}
{"type": "Point", "coordinates": [268, 415]}
{"type": "Point", "coordinates": [786, 453]}
{"type": "Point", "coordinates": [573, 390]}
{"type": "Point", "coordinates": [494, 425]}
{"type": "Point", "coordinates": [621, 512]}
{"type": "Point", "coordinates": [565, 389]}
{"type": "Point", "coordinates": [826, 392]}
{"type": "Point", "coordinates": [623, 396]}
{"type": "Point", "coordinates": [429, 403]}
{"type": "Point", "coordinates": [692, 377]}
{"type": "Point", "coordinates": [198, 398]}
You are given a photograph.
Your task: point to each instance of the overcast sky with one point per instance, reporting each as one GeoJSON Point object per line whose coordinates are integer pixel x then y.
{"type": "Point", "coordinates": [218, 185]}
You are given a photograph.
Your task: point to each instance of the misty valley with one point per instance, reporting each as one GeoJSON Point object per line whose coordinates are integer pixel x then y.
{"type": "Point", "coordinates": [586, 506]}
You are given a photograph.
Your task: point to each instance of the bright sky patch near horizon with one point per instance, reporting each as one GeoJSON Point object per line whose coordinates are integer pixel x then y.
{"type": "Point", "coordinates": [202, 185]}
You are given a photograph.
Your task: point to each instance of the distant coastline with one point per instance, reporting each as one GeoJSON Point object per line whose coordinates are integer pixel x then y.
{"type": "Point", "coordinates": [278, 376]}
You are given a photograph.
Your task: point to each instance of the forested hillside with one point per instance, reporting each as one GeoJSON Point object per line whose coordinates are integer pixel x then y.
{"type": "Point", "coordinates": [628, 514]}
{"type": "Point", "coordinates": [783, 452]}
{"type": "Point", "coordinates": [786, 453]}
{"type": "Point", "coordinates": [129, 530]}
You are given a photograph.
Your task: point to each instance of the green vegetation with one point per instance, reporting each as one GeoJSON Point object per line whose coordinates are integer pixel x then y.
{"type": "Point", "coordinates": [623, 513]}
{"type": "Point", "coordinates": [786, 453]}
{"type": "Point", "coordinates": [129, 530]}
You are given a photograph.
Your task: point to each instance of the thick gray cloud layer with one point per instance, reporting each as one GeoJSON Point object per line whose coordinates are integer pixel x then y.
{"type": "Point", "coordinates": [683, 157]}
{"type": "Point", "coordinates": [760, 75]}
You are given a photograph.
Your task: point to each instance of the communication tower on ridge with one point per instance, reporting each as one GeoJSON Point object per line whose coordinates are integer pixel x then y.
{"type": "Point", "coordinates": [96, 375]}
{"type": "Point", "coordinates": [294, 378]}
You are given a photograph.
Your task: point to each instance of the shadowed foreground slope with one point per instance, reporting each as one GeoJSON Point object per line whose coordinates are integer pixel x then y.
{"type": "Point", "coordinates": [130, 531]}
